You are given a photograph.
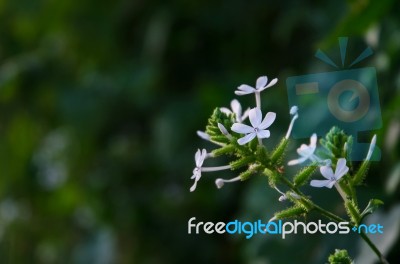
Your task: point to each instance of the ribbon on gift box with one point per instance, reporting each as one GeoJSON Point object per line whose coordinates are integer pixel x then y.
{"type": "Point", "coordinates": [343, 47]}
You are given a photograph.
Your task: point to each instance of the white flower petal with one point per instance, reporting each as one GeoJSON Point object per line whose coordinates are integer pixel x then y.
{"type": "Point", "coordinates": [268, 120]}
{"type": "Point", "coordinates": [255, 116]}
{"type": "Point", "coordinates": [246, 138]}
{"type": "Point", "coordinates": [313, 140]}
{"type": "Point", "coordinates": [203, 157]}
{"type": "Point", "coordinates": [236, 108]}
{"type": "Point", "coordinates": [193, 186]}
{"type": "Point", "coordinates": [225, 110]}
{"type": "Point", "coordinates": [246, 88]}
{"type": "Point", "coordinates": [341, 168]}
{"type": "Point", "coordinates": [242, 93]}
{"type": "Point", "coordinates": [261, 82]}
{"type": "Point", "coordinates": [272, 83]}
{"type": "Point", "coordinates": [297, 161]}
{"type": "Point", "coordinates": [242, 128]}
{"type": "Point", "coordinates": [320, 183]}
{"type": "Point", "coordinates": [263, 134]}
{"type": "Point", "coordinates": [305, 151]}
{"type": "Point", "coordinates": [327, 172]}
{"type": "Point", "coordinates": [200, 157]}
{"type": "Point", "coordinates": [197, 156]}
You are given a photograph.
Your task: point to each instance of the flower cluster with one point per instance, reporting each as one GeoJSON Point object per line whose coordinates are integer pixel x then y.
{"type": "Point", "coordinates": [241, 134]}
{"type": "Point", "coordinates": [235, 117]}
{"type": "Point", "coordinates": [227, 129]}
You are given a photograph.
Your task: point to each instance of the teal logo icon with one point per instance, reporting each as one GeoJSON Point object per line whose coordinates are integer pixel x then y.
{"type": "Point", "coordinates": [347, 98]}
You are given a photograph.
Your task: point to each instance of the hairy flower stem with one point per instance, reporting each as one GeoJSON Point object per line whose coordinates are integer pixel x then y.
{"type": "Point", "coordinates": [334, 217]}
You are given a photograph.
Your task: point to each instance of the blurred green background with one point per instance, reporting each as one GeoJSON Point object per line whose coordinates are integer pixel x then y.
{"type": "Point", "coordinates": [100, 102]}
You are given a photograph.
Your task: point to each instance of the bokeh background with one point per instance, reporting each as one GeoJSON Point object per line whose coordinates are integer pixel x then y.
{"type": "Point", "coordinates": [100, 102]}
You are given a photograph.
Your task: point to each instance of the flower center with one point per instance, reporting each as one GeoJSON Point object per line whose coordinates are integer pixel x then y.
{"type": "Point", "coordinates": [333, 178]}
{"type": "Point", "coordinates": [256, 129]}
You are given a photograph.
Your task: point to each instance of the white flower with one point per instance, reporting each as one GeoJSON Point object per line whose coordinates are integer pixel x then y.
{"type": "Point", "coordinates": [199, 158]}
{"type": "Point", "coordinates": [306, 152]}
{"type": "Point", "coordinates": [237, 110]}
{"type": "Point", "coordinates": [331, 178]}
{"type": "Point", "coordinates": [258, 129]}
{"type": "Point", "coordinates": [261, 85]}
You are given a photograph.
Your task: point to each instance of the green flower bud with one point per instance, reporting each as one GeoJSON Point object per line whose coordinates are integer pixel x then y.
{"type": "Point", "coordinates": [228, 149]}
{"type": "Point", "coordinates": [273, 176]}
{"type": "Point", "coordinates": [241, 162]}
{"type": "Point", "coordinates": [303, 176]}
{"type": "Point", "coordinates": [340, 257]}
{"type": "Point", "coordinates": [290, 212]}
{"type": "Point", "coordinates": [279, 150]}
{"type": "Point", "coordinates": [353, 212]}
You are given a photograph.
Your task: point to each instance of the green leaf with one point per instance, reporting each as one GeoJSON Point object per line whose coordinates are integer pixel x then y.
{"type": "Point", "coordinates": [372, 205]}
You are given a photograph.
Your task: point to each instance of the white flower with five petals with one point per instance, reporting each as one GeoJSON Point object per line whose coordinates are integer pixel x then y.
{"type": "Point", "coordinates": [306, 152]}
{"type": "Point", "coordinates": [258, 129]}
{"type": "Point", "coordinates": [331, 178]}
{"type": "Point", "coordinates": [199, 158]}
{"type": "Point", "coordinates": [261, 85]}
{"type": "Point", "coordinates": [236, 108]}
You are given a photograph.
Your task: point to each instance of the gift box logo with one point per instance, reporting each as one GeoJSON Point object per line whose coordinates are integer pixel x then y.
{"type": "Point", "coordinates": [347, 98]}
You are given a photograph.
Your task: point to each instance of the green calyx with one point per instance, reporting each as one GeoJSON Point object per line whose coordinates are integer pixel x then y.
{"type": "Point", "coordinates": [337, 144]}
{"type": "Point", "coordinates": [212, 128]}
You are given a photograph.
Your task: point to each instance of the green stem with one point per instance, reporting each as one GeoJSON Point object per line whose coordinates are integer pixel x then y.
{"type": "Point", "coordinates": [374, 248]}
{"type": "Point", "coordinates": [335, 218]}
